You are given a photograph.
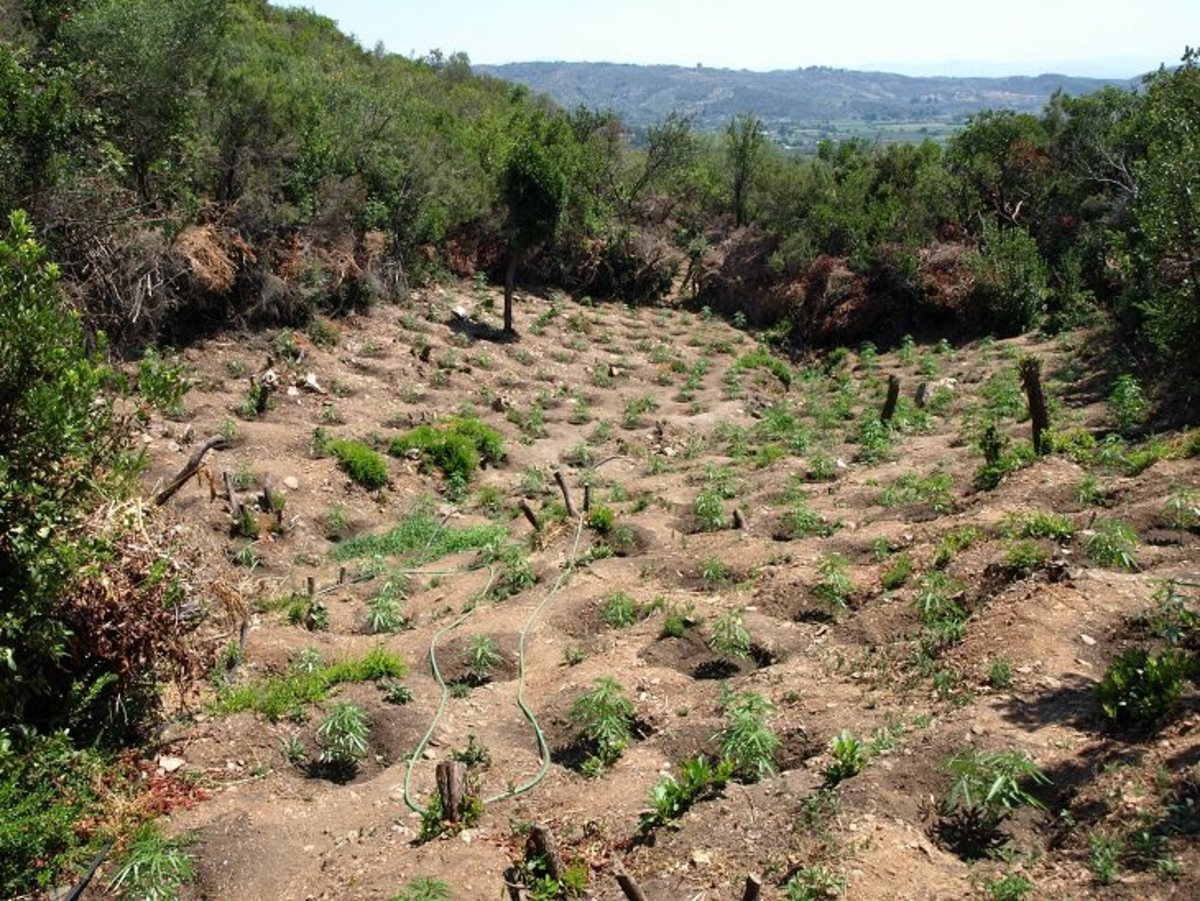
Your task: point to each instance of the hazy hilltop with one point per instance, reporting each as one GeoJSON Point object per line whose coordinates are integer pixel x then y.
{"type": "Point", "coordinates": [798, 105]}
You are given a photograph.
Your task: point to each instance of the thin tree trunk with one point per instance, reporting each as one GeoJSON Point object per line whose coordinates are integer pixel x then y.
{"type": "Point", "coordinates": [893, 398]}
{"type": "Point", "coordinates": [510, 281]}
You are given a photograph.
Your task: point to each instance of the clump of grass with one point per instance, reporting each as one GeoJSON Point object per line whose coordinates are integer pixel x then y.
{"type": "Point", "coordinates": [897, 573]}
{"type": "Point", "coordinates": [363, 465]}
{"type": "Point", "coordinates": [911, 488]}
{"type": "Point", "coordinates": [154, 867]}
{"type": "Point", "coordinates": [954, 542]}
{"type": "Point", "coordinates": [762, 359]}
{"type": "Point", "coordinates": [1140, 690]}
{"type": "Point", "coordinates": [1038, 524]}
{"type": "Point", "coordinates": [421, 537]}
{"type": "Point", "coordinates": [287, 693]}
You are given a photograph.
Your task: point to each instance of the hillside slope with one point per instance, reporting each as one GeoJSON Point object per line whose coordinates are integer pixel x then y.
{"type": "Point", "coordinates": [675, 424]}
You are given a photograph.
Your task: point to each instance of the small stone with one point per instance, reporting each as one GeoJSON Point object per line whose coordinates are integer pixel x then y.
{"type": "Point", "coordinates": [291, 483]}
{"type": "Point", "coordinates": [701, 858]}
{"type": "Point", "coordinates": [169, 764]}
{"type": "Point", "coordinates": [293, 391]}
{"type": "Point", "coordinates": [1087, 639]}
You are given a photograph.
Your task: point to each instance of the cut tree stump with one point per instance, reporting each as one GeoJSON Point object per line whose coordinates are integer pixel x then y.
{"type": "Point", "coordinates": [893, 398]}
{"type": "Point", "coordinates": [541, 841]}
{"type": "Point", "coordinates": [530, 514]}
{"type": "Point", "coordinates": [753, 888]}
{"type": "Point", "coordinates": [739, 519]}
{"type": "Point", "coordinates": [451, 785]}
{"type": "Point", "coordinates": [1031, 379]}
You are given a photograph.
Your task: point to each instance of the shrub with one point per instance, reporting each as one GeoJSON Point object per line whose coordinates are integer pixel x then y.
{"type": "Point", "coordinates": [1010, 279]}
{"type": "Point", "coordinates": [359, 462]}
{"type": "Point", "coordinates": [710, 511]}
{"type": "Point", "coordinates": [1140, 690]}
{"type": "Point", "coordinates": [161, 383]}
{"type": "Point", "coordinates": [58, 439]}
{"type": "Point", "coordinates": [1127, 404]}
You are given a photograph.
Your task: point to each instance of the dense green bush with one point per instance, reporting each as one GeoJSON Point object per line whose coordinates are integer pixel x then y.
{"type": "Point", "coordinates": [456, 446]}
{"type": "Point", "coordinates": [57, 436]}
{"type": "Point", "coordinates": [1010, 279]}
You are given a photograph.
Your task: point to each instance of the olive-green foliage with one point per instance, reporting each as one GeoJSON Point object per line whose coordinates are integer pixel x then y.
{"type": "Point", "coordinates": [363, 465]}
{"type": "Point", "coordinates": [1010, 278]}
{"type": "Point", "coordinates": [57, 441]}
{"type": "Point", "coordinates": [698, 779]}
{"type": "Point", "coordinates": [456, 446]}
{"type": "Point", "coordinates": [153, 867]}
{"type": "Point", "coordinates": [987, 788]}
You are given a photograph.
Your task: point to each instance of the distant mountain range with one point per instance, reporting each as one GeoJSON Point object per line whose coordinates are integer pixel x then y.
{"type": "Point", "coordinates": [799, 106]}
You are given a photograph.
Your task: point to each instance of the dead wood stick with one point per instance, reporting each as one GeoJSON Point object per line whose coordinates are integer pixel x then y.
{"type": "Point", "coordinates": [631, 889]}
{"type": "Point", "coordinates": [513, 883]}
{"type": "Point", "coordinates": [530, 515]}
{"type": "Point", "coordinates": [587, 498]}
{"type": "Point", "coordinates": [753, 888]}
{"type": "Point", "coordinates": [566, 493]}
{"type": "Point", "coordinates": [214, 442]}
{"type": "Point", "coordinates": [739, 519]}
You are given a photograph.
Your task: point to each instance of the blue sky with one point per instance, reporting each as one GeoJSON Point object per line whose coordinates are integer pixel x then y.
{"type": "Point", "coordinates": [1085, 37]}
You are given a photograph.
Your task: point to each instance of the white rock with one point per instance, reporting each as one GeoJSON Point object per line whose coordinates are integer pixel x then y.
{"type": "Point", "coordinates": [291, 483]}
{"type": "Point", "coordinates": [169, 764]}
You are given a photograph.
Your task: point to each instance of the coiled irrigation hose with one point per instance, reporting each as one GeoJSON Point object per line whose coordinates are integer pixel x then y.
{"type": "Point", "coordinates": [542, 745]}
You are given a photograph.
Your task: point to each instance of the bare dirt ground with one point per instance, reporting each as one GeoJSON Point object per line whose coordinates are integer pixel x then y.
{"type": "Point", "coordinates": [274, 829]}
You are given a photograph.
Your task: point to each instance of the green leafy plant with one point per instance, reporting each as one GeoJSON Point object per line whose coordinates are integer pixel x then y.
{"type": "Point", "coordinates": [162, 383]}
{"type": "Point", "coordinates": [815, 883]}
{"type": "Point", "coordinates": [987, 788]}
{"type": "Point", "coordinates": [730, 638]}
{"type": "Point", "coordinates": [481, 657]}
{"type": "Point", "coordinates": [847, 757]}
{"type": "Point", "coordinates": [602, 518]}
{"type": "Point", "coordinates": [605, 718]}
{"type": "Point", "coordinates": [426, 888]}
{"type": "Point", "coordinates": [745, 739]}
{"type": "Point", "coordinates": [1112, 543]}
{"type": "Point", "coordinates": [1009, 887]}
{"type": "Point", "coordinates": [834, 585]}
{"type": "Point", "coordinates": [154, 867]}
{"type": "Point", "coordinates": [1127, 404]}
{"type": "Point", "coordinates": [342, 736]}
{"type": "Point", "coordinates": [709, 510]}
{"type": "Point", "coordinates": [1140, 690]}
{"type": "Point", "coordinates": [619, 610]}
{"type": "Point", "coordinates": [1105, 856]}
{"type": "Point", "coordinates": [672, 797]}
{"type": "Point", "coordinates": [898, 573]}
{"type": "Point", "coordinates": [954, 542]}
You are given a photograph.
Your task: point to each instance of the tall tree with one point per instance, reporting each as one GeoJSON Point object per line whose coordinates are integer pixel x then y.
{"type": "Point", "coordinates": [744, 140]}
{"type": "Point", "coordinates": [535, 182]}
